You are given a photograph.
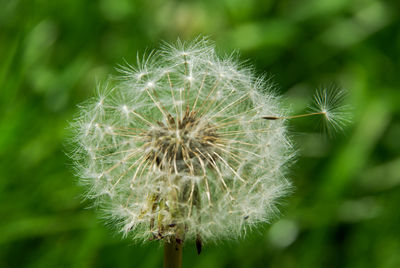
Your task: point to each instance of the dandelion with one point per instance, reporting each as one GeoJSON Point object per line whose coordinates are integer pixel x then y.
{"type": "Point", "coordinates": [179, 150]}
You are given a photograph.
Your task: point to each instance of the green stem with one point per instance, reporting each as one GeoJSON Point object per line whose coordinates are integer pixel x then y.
{"type": "Point", "coordinates": [172, 254]}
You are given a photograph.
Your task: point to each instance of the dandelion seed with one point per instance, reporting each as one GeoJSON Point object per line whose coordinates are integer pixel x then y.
{"type": "Point", "coordinates": [178, 151]}
{"type": "Point", "coordinates": [329, 102]}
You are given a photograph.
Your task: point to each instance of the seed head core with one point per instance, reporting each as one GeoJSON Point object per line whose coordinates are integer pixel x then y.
{"type": "Point", "coordinates": [183, 145]}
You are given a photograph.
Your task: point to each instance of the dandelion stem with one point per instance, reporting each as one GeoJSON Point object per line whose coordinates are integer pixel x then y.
{"type": "Point", "coordinates": [172, 254]}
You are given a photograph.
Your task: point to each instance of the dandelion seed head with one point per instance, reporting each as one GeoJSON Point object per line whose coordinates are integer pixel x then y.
{"type": "Point", "coordinates": [179, 148]}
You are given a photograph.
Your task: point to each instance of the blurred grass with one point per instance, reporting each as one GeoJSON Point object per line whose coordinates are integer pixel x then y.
{"type": "Point", "coordinates": [344, 212]}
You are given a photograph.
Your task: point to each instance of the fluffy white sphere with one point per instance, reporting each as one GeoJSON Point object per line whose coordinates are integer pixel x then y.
{"type": "Point", "coordinates": [179, 150]}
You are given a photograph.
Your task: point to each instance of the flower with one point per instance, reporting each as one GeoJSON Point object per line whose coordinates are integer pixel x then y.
{"type": "Point", "coordinates": [178, 148]}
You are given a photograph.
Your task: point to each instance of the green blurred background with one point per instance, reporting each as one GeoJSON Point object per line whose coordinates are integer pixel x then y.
{"type": "Point", "coordinates": [345, 211]}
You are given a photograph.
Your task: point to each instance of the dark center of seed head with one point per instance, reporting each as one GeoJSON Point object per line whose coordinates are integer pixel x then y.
{"type": "Point", "coordinates": [186, 145]}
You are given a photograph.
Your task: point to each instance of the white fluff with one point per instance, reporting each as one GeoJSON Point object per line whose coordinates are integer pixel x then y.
{"type": "Point", "coordinates": [212, 178]}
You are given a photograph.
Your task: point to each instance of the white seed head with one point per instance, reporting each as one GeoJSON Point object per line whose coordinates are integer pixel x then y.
{"type": "Point", "coordinates": [179, 150]}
